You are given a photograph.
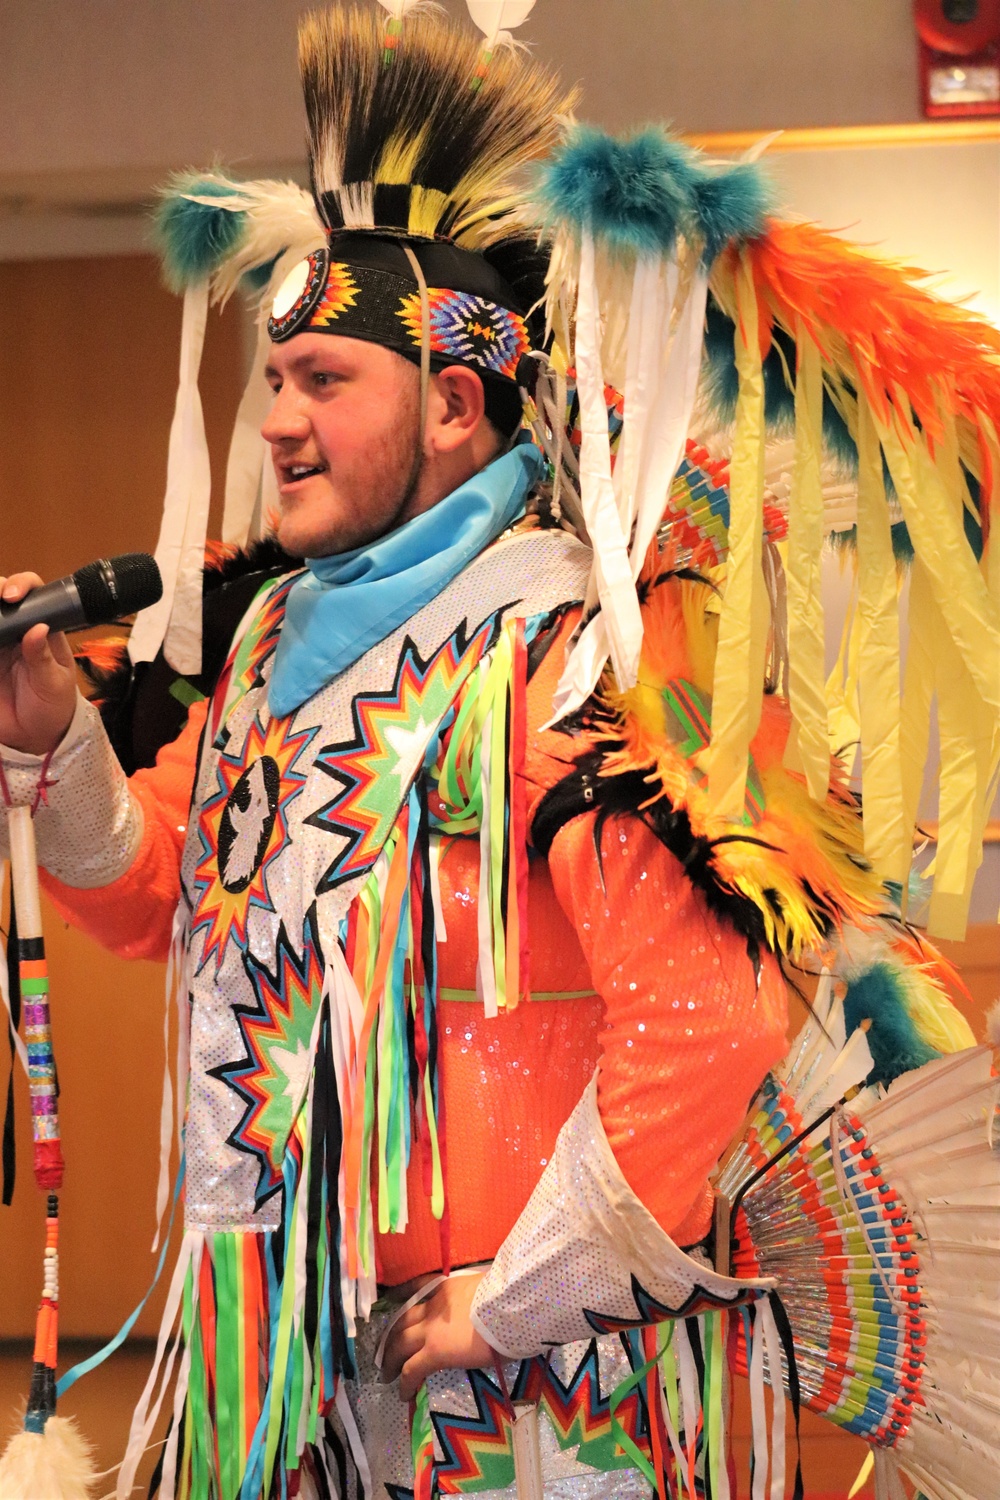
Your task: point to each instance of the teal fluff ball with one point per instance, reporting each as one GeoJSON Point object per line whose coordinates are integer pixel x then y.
{"type": "Point", "coordinates": [896, 1045]}
{"type": "Point", "coordinates": [634, 195]}
{"type": "Point", "coordinates": [194, 236]}
{"type": "Point", "coordinates": [730, 205]}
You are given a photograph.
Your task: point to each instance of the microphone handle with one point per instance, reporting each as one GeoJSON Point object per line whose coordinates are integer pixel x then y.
{"type": "Point", "coordinates": [54, 604]}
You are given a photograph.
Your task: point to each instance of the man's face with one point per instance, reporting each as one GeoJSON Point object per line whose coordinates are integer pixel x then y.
{"type": "Point", "coordinates": [343, 432]}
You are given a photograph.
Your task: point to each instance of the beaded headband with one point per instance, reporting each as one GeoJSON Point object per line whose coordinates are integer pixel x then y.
{"type": "Point", "coordinates": [323, 295]}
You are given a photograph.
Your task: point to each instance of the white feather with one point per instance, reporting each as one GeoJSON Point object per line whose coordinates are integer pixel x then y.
{"type": "Point", "coordinates": [400, 8]}
{"type": "Point", "coordinates": [494, 16]}
{"type": "Point", "coordinates": [281, 217]}
{"type": "Point", "coordinates": [50, 1465]}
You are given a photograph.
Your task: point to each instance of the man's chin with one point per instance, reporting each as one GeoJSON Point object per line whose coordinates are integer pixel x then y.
{"type": "Point", "coordinates": [307, 541]}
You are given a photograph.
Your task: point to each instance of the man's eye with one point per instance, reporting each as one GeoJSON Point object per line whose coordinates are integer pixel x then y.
{"type": "Point", "coordinates": [323, 378]}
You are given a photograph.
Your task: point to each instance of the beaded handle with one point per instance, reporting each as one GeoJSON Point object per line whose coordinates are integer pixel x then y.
{"type": "Point", "coordinates": [48, 1158]}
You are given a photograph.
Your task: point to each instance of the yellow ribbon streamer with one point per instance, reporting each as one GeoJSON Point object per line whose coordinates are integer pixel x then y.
{"type": "Point", "coordinates": [887, 839]}
{"type": "Point", "coordinates": [967, 762]}
{"type": "Point", "coordinates": [933, 517]}
{"type": "Point", "coordinates": [809, 743]}
{"type": "Point", "coordinates": [918, 690]}
{"type": "Point", "coordinates": [959, 638]}
{"type": "Point", "coordinates": [740, 659]}
{"type": "Point", "coordinates": [842, 691]}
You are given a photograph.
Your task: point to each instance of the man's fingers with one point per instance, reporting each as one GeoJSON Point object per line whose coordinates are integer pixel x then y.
{"type": "Point", "coordinates": [17, 585]}
{"type": "Point", "coordinates": [35, 647]}
{"type": "Point", "coordinates": [415, 1371]}
{"type": "Point", "coordinates": [61, 649]}
{"type": "Point", "coordinates": [402, 1344]}
{"type": "Point", "coordinates": [45, 656]}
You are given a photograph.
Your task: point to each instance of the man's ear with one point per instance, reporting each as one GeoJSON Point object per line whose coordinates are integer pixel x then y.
{"type": "Point", "coordinates": [459, 410]}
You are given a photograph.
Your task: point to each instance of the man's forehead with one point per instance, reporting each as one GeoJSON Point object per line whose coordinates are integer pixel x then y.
{"type": "Point", "coordinates": [305, 351]}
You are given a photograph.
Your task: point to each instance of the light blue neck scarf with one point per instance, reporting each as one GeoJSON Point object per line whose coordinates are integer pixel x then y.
{"type": "Point", "coordinates": [347, 603]}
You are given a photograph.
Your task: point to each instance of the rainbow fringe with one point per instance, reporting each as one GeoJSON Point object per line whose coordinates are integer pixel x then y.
{"type": "Point", "coordinates": [374, 1095]}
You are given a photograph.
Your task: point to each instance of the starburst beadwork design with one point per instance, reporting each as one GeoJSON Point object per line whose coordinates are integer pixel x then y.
{"type": "Point", "coordinates": [340, 292]}
{"type": "Point", "coordinates": [375, 768]}
{"type": "Point", "coordinates": [242, 828]}
{"type": "Point", "coordinates": [276, 1029]}
{"type": "Point", "coordinates": [466, 327]}
{"type": "Point", "coordinates": [244, 668]}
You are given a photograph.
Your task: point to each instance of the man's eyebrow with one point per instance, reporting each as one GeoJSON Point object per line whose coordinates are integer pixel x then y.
{"type": "Point", "coordinates": [296, 363]}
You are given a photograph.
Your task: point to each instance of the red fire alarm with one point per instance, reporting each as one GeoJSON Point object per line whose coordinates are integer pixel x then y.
{"type": "Point", "coordinates": [959, 57]}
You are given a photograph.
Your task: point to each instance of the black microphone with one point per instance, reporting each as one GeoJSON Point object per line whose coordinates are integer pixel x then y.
{"type": "Point", "coordinates": [98, 594]}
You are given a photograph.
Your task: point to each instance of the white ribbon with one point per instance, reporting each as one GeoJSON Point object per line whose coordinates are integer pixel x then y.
{"type": "Point", "coordinates": [175, 622]}
{"type": "Point", "coordinates": [690, 1403]}
{"type": "Point", "coordinates": [758, 1414]}
{"type": "Point", "coordinates": [675, 388]}
{"type": "Point", "coordinates": [183, 997]}
{"type": "Point", "coordinates": [302, 1226]}
{"type": "Point", "coordinates": [357, 1447]}
{"type": "Point", "coordinates": [620, 634]}
{"type": "Point", "coordinates": [175, 971]}
{"type": "Point", "coordinates": [622, 514]}
{"type": "Point", "coordinates": [247, 450]}
{"type": "Point", "coordinates": [147, 1411]}
{"type": "Point", "coordinates": [346, 1020]}
{"type": "Point", "coordinates": [168, 1480]}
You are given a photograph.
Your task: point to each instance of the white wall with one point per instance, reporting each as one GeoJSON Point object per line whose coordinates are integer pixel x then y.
{"type": "Point", "coordinates": [936, 207]}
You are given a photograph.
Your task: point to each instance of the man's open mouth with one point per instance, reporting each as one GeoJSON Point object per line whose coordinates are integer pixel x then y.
{"type": "Point", "coordinates": [296, 472]}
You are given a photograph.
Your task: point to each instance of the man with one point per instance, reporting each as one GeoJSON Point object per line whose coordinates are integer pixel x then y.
{"type": "Point", "coordinates": [395, 1014]}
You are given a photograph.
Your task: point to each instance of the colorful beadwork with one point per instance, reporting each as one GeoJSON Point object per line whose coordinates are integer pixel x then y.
{"type": "Point", "coordinates": [243, 828]}
{"type": "Point", "coordinates": [863, 1366]}
{"type": "Point", "coordinates": [368, 302]}
{"type": "Point", "coordinates": [469, 329]}
{"type": "Point", "coordinates": [340, 292]}
{"type": "Point", "coordinates": [273, 1075]}
{"type": "Point", "coordinates": [312, 274]}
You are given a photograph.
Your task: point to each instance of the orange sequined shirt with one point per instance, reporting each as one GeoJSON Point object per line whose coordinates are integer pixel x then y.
{"type": "Point", "coordinates": [630, 973]}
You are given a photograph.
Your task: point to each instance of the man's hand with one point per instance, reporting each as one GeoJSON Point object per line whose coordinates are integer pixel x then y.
{"type": "Point", "coordinates": [37, 681]}
{"type": "Point", "coordinates": [436, 1335]}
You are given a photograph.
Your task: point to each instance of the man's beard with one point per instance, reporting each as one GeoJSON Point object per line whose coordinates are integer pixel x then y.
{"type": "Point", "coordinates": [382, 495]}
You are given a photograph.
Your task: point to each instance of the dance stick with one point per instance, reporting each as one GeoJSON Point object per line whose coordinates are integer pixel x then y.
{"type": "Point", "coordinates": [48, 1458]}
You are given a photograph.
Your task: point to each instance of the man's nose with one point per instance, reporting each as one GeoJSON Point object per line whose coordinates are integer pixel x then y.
{"type": "Point", "coordinates": [286, 421]}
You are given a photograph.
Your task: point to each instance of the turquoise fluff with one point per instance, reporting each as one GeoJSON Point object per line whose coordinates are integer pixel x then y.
{"type": "Point", "coordinates": [731, 205]}
{"type": "Point", "coordinates": [196, 237]}
{"type": "Point", "coordinates": [637, 194]}
{"type": "Point", "coordinates": [896, 1046]}
{"type": "Point", "coordinates": [623, 192]}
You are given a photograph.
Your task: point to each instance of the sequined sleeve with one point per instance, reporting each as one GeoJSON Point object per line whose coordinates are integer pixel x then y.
{"type": "Point", "coordinates": [132, 915]}
{"type": "Point", "coordinates": [693, 1024]}
{"type": "Point", "coordinates": [87, 825]}
{"type": "Point", "coordinates": [586, 1257]}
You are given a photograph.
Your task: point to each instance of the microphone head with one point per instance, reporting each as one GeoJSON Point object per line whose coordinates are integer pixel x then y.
{"type": "Point", "coordinates": [117, 586]}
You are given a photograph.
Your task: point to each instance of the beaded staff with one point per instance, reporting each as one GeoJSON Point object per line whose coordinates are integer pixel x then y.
{"type": "Point", "coordinates": [47, 1457]}
{"type": "Point", "coordinates": [47, 1150]}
